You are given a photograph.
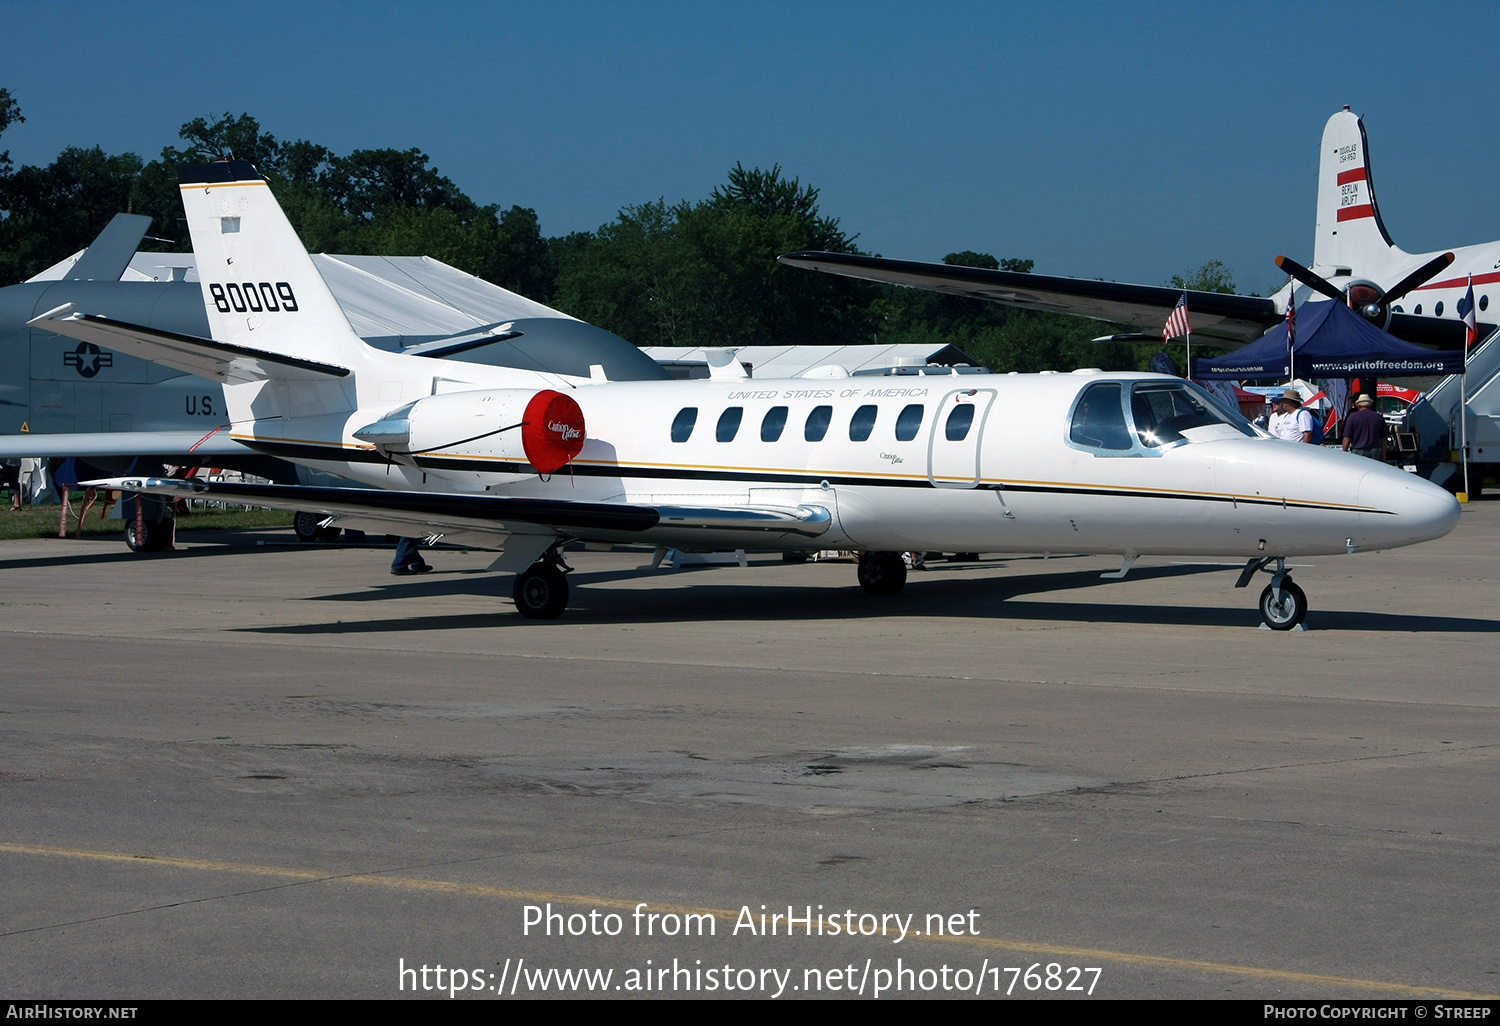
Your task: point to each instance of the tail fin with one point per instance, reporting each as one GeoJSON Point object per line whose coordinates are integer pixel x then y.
{"type": "Point", "coordinates": [261, 289]}
{"type": "Point", "coordinates": [1350, 233]}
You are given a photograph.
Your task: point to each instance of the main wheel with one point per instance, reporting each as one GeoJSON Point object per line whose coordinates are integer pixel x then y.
{"type": "Point", "coordinates": [541, 592]}
{"type": "Point", "coordinates": [154, 537]}
{"type": "Point", "coordinates": [1286, 614]}
{"type": "Point", "coordinates": [882, 573]}
{"type": "Point", "coordinates": [306, 526]}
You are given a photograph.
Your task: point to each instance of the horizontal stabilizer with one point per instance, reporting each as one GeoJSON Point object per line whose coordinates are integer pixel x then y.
{"type": "Point", "coordinates": [204, 357]}
{"type": "Point", "coordinates": [109, 255]}
{"type": "Point", "coordinates": [165, 446]}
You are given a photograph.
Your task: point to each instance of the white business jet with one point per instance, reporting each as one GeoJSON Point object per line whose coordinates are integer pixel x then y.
{"type": "Point", "coordinates": [1354, 260]}
{"type": "Point", "coordinates": [523, 462]}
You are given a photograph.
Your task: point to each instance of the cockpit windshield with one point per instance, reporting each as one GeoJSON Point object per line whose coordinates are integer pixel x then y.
{"type": "Point", "coordinates": [1167, 413]}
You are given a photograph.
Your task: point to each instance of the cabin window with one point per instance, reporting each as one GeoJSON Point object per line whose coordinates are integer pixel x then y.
{"type": "Point", "coordinates": [773, 424]}
{"type": "Point", "coordinates": [957, 426]}
{"type": "Point", "coordinates": [1099, 419]}
{"type": "Point", "coordinates": [1417, 309]}
{"type": "Point", "coordinates": [682, 424]}
{"type": "Point", "coordinates": [909, 422]}
{"type": "Point", "coordinates": [729, 423]}
{"type": "Point", "coordinates": [817, 423]}
{"type": "Point", "coordinates": [1438, 310]}
{"type": "Point", "coordinates": [862, 423]}
{"type": "Point", "coordinates": [1484, 302]}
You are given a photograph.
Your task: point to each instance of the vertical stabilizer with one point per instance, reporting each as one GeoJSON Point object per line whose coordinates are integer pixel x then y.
{"type": "Point", "coordinates": [260, 287]}
{"type": "Point", "coordinates": [1350, 233]}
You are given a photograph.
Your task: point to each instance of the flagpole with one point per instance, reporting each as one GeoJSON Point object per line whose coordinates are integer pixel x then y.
{"type": "Point", "coordinates": [1463, 415]}
{"type": "Point", "coordinates": [1463, 387]}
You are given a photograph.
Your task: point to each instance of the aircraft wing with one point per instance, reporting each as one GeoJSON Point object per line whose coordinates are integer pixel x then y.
{"type": "Point", "coordinates": [1234, 319]}
{"type": "Point", "coordinates": [202, 356]}
{"type": "Point", "coordinates": [490, 521]}
{"type": "Point", "coordinates": [168, 446]}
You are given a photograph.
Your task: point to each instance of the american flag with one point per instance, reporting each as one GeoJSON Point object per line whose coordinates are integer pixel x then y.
{"type": "Point", "coordinates": [1467, 315]}
{"type": "Point", "coordinates": [1178, 324]}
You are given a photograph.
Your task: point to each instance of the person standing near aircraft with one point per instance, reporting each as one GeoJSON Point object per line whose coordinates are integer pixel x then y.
{"type": "Point", "coordinates": [1364, 430]}
{"type": "Point", "coordinates": [1289, 421]}
{"type": "Point", "coordinates": [409, 559]}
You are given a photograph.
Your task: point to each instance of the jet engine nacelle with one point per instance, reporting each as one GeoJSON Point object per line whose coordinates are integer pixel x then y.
{"type": "Point", "coordinates": [543, 428]}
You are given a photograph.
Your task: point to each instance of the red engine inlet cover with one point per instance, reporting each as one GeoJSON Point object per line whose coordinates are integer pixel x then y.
{"type": "Point", "coordinates": [551, 431]}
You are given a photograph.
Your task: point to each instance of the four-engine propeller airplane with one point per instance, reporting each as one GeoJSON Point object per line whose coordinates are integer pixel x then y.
{"type": "Point", "coordinates": [1354, 260]}
{"type": "Point", "coordinates": [525, 461]}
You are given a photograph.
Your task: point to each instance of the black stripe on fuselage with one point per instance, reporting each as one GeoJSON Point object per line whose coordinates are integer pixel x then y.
{"type": "Point", "coordinates": [337, 454]}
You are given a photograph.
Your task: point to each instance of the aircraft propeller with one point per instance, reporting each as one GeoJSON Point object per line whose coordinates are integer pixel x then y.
{"type": "Point", "coordinates": [1366, 298]}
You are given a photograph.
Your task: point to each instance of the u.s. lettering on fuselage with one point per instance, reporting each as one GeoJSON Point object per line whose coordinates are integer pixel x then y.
{"type": "Point", "coordinates": [253, 297]}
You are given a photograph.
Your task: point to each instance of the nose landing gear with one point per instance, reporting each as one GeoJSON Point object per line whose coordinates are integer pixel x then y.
{"type": "Point", "coordinates": [1283, 604]}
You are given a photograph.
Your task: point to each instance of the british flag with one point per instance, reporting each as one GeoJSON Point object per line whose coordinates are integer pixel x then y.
{"type": "Point", "coordinates": [1467, 315]}
{"type": "Point", "coordinates": [1178, 324]}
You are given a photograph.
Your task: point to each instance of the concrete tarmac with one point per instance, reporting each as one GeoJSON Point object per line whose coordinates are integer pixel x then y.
{"type": "Point", "coordinates": [251, 768]}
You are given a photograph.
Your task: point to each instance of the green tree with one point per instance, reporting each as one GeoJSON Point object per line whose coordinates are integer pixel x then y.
{"type": "Point", "coordinates": [1211, 277]}
{"type": "Point", "coordinates": [54, 211]}
{"type": "Point", "coordinates": [10, 114]}
{"type": "Point", "coordinates": [706, 273]}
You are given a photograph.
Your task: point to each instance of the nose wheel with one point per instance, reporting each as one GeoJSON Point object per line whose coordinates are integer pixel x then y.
{"type": "Point", "coordinates": [1282, 604]}
{"type": "Point", "coordinates": [1283, 608]}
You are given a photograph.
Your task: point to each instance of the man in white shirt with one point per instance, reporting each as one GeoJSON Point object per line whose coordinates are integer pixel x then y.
{"type": "Point", "coordinates": [1289, 421]}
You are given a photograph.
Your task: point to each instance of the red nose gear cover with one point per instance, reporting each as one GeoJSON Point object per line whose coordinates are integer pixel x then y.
{"type": "Point", "coordinates": [551, 431]}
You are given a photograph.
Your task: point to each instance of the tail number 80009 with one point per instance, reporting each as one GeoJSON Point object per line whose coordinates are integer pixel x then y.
{"type": "Point", "coordinates": [240, 297]}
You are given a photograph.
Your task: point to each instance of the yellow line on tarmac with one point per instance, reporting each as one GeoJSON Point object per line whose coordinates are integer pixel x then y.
{"type": "Point", "coordinates": [1081, 955]}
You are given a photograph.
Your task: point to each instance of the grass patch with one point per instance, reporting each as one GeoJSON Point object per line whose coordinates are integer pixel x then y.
{"type": "Point", "coordinates": [41, 521]}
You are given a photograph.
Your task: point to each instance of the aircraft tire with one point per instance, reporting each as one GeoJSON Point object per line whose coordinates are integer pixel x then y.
{"type": "Point", "coordinates": [541, 592]}
{"type": "Point", "coordinates": [882, 573]}
{"type": "Point", "coordinates": [155, 536]}
{"type": "Point", "coordinates": [307, 529]}
{"type": "Point", "coordinates": [306, 526]}
{"type": "Point", "coordinates": [1286, 614]}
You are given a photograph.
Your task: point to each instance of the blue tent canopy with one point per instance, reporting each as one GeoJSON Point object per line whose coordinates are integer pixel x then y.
{"type": "Point", "coordinates": [1332, 342]}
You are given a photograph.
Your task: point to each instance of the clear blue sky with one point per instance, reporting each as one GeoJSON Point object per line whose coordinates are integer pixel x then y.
{"type": "Point", "coordinates": [1121, 141]}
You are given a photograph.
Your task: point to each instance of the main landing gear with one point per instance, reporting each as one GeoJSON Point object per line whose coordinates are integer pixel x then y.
{"type": "Point", "coordinates": [881, 573]}
{"type": "Point", "coordinates": [1282, 604]}
{"type": "Point", "coordinates": [541, 590]}
{"type": "Point", "coordinates": [308, 527]}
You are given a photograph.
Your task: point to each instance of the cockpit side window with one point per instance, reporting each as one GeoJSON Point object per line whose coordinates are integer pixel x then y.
{"type": "Point", "coordinates": [1099, 419]}
{"type": "Point", "coordinates": [1162, 411]}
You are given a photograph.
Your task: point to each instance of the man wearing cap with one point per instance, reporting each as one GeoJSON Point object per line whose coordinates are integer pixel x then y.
{"type": "Point", "coordinates": [1364, 430]}
{"type": "Point", "coordinates": [1289, 421]}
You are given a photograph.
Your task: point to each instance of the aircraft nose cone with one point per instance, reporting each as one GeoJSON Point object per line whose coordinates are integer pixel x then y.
{"type": "Point", "coordinates": [1406, 509]}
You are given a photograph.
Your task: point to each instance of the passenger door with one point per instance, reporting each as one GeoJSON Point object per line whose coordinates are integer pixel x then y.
{"type": "Point", "coordinates": [957, 431]}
